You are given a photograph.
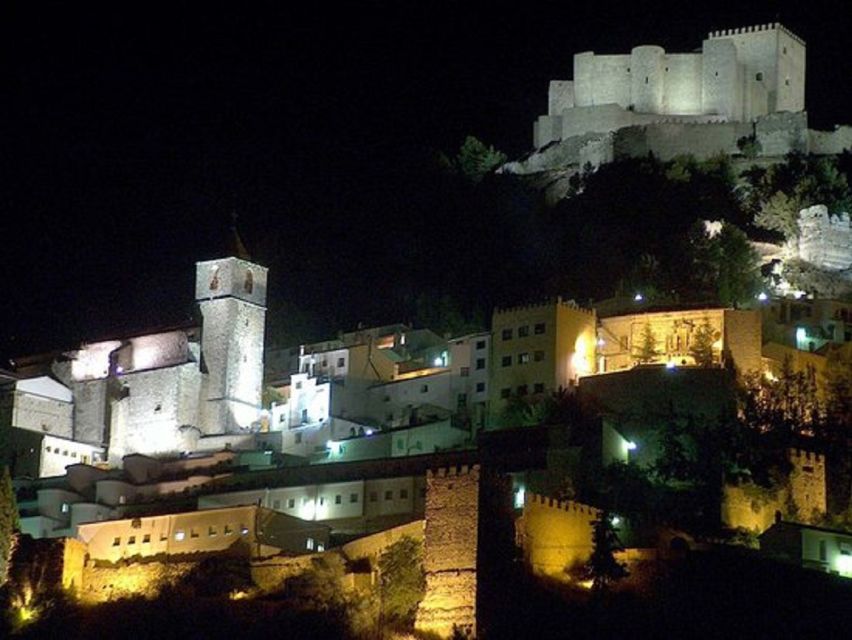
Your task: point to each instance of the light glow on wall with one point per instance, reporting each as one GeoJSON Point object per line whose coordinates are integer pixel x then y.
{"type": "Point", "coordinates": [843, 564]}
{"type": "Point", "coordinates": [519, 498]}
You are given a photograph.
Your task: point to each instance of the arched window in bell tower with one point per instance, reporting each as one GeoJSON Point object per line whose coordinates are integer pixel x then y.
{"type": "Point", "coordinates": [249, 283]}
{"type": "Point", "coordinates": [214, 280]}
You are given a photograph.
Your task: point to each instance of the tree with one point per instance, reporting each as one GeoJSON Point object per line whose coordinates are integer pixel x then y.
{"type": "Point", "coordinates": [838, 385]}
{"type": "Point", "coordinates": [402, 581]}
{"type": "Point", "coordinates": [738, 268]}
{"type": "Point", "coordinates": [780, 214]}
{"type": "Point", "coordinates": [603, 566]}
{"type": "Point", "coordinates": [750, 146]}
{"type": "Point", "coordinates": [647, 350]}
{"type": "Point", "coordinates": [9, 522]}
{"type": "Point", "coordinates": [701, 347]}
{"type": "Point", "coordinates": [475, 159]}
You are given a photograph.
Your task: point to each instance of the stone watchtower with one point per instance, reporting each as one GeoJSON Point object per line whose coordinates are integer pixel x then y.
{"type": "Point", "coordinates": [231, 293]}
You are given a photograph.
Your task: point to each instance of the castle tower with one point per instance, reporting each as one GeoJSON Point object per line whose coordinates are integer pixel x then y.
{"type": "Point", "coordinates": [231, 293]}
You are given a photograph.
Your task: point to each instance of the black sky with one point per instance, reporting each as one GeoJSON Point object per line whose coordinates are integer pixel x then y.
{"type": "Point", "coordinates": [133, 130]}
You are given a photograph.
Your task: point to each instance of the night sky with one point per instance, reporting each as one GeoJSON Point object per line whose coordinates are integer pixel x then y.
{"type": "Point", "coordinates": [134, 131]}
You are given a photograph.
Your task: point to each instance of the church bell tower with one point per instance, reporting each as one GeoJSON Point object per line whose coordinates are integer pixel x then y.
{"type": "Point", "coordinates": [231, 293]}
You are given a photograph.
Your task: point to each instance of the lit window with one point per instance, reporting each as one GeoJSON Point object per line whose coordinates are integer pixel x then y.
{"type": "Point", "coordinates": [507, 334]}
{"type": "Point", "coordinates": [64, 508]}
{"type": "Point", "coordinates": [524, 331]}
{"type": "Point", "coordinates": [523, 358]}
{"type": "Point", "coordinates": [309, 544]}
{"type": "Point", "coordinates": [244, 530]}
{"type": "Point", "coordinates": [320, 546]}
{"type": "Point", "coordinates": [539, 328]}
{"type": "Point", "coordinates": [179, 535]}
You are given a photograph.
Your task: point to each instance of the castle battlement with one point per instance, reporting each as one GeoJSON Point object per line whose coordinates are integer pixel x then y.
{"type": "Point", "coordinates": [454, 471]}
{"type": "Point", "coordinates": [803, 455]}
{"type": "Point", "coordinates": [534, 306]}
{"type": "Point", "coordinates": [772, 26]}
{"type": "Point", "coordinates": [563, 505]}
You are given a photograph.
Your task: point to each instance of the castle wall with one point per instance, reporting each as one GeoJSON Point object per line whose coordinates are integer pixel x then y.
{"type": "Point", "coordinates": [808, 484]}
{"type": "Point", "coordinates": [830, 142]}
{"type": "Point", "coordinates": [682, 91]}
{"type": "Point", "coordinates": [560, 96]}
{"type": "Point", "coordinates": [450, 551]}
{"type": "Point", "coordinates": [646, 79]}
{"type": "Point", "coordinates": [90, 410]}
{"type": "Point", "coordinates": [780, 133]}
{"type": "Point", "coordinates": [743, 339]}
{"type": "Point", "coordinates": [556, 535]}
{"type": "Point", "coordinates": [825, 240]}
{"type": "Point", "coordinates": [670, 139]}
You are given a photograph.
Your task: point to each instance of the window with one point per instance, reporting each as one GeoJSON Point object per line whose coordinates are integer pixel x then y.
{"type": "Point", "coordinates": [64, 508]}
{"type": "Point", "coordinates": [228, 531]}
{"type": "Point", "coordinates": [403, 494]}
{"type": "Point", "coordinates": [505, 393]}
{"type": "Point", "coordinates": [320, 546]}
{"type": "Point", "coordinates": [507, 334]}
{"type": "Point", "coordinates": [524, 331]}
{"type": "Point", "coordinates": [211, 531]}
{"type": "Point", "coordinates": [388, 495]}
{"type": "Point", "coordinates": [341, 362]}
{"type": "Point", "coordinates": [374, 497]}
{"type": "Point", "coordinates": [539, 328]}
{"type": "Point", "coordinates": [179, 535]}
{"type": "Point", "coordinates": [823, 552]}
{"type": "Point", "coordinates": [131, 540]}
{"type": "Point", "coordinates": [424, 388]}
{"type": "Point", "coordinates": [787, 82]}
{"type": "Point", "coordinates": [244, 529]}
{"type": "Point", "coordinates": [248, 285]}
{"type": "Point", "coordinates": [322, 500]}
{"type": "Point", "coordinates": [299, 385]}
{"type": "Point", "coordinates": [506, 361]}
{"type": "Point", "coordinates": [116, 542]}
{"type": "Point", "coordinates": [480, 364]}
{"type": "Point", "coordinates": [353, 498]}
{"type": "Point", "coordinates": [461, 401]}
{"type": "Point", "coordinates": [759, 76]}
{"type": "Point", "coordinates": [304, 416]}
{"type": "Point", "coordinates": [338, 499]}
{"type": "Point", "coordinates": [480, 344]}
{"type": "Point", "coordinates": [784, 50]}
{"type": "Point", "coordinates": [298, 438]}
{"type": "Point", "coordinates": [464, 372]}
{"type": "Point", "coordinates": [523, 358]}
{"type": "Point", "coordinates": [276, 504]}
{"type": "Point", "coordinates": [163, 536]}
{"type": "Point", "coordinates": [309, 544]}
{"type": "Point", "coordinates": [538, 356]}
{"type": "Point", "coordinates": [480, 387]}
{"type": "Point", "coordinates": [291, 503]}
{"type": "Point", "coordinates": [146, 539]}
{"type": "Point", "coordinates": [387, 399]}
{"type": "Point", "coordinates": [193, 533]}
{"type": "Point", "coordinates": [522, 390]}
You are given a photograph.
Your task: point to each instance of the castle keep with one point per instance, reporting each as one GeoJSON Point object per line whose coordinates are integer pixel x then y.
{"type": "Point", "coordinates": [738, 76]}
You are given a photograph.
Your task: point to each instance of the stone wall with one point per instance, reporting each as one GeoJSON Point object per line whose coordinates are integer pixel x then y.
{"type": "Point", "coordinates": [450, 551]}
{"type": "Point", "coordinates": [147, 580]}
{"type": "Point", "coordinates": [830, 142]}
{"type": "Point", "coordinates": [826, 240]}
{"type": "Point", "coordinates": [555, 535]}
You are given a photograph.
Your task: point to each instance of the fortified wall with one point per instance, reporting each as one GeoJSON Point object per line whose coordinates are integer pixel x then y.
{"type": "Point", "coordinates": [746, 506]}
{"type": "Point", "coordinates": [825, 240]}
{"type": "Point", "coordinates": [450, 551]}
{"type": "Point", "coordinates": [556, 536]}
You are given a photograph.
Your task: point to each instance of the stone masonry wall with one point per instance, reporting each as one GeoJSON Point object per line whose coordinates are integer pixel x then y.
{"type": "Point", "coordinates": [450, 551]}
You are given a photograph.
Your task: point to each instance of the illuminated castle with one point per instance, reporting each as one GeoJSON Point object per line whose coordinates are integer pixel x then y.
{"type": "Point", "coordinates": [737, 76]}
